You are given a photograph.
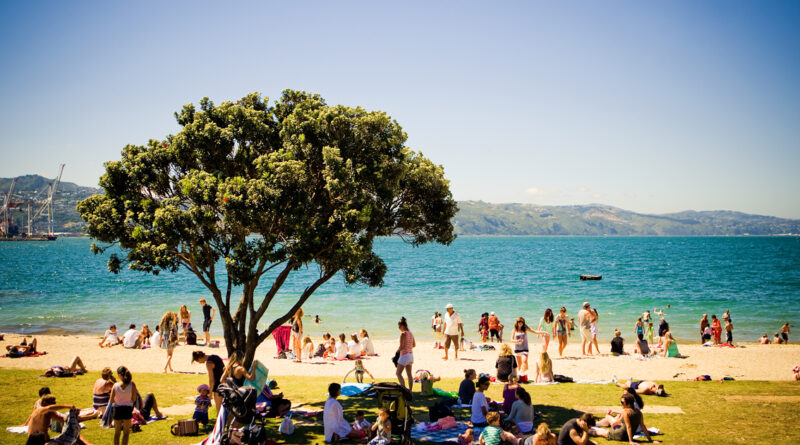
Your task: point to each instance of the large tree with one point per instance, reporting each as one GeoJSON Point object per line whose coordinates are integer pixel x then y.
{"type": "Point", "coordinates": [251, 189]}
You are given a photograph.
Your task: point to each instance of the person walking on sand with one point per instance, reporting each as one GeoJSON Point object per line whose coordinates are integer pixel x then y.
{"type": "Point", "coordinates": [546, 326]}
{"type": "Point", "coordinates": [785, 332]}
{"type": "Point", "coordinates": [519, 336]}
{"type": "Point", "coordinates": [406, 353]}
{"type": "Point", "coordinates": [453, 329]}
{"type": "Point", "coordinates": [169, 336]}
{"type": "Point", "coordinates": [716, 327]}
{"type": "Point", "coordinates": [584, 323]}
{"type": "Point", "coordinates": [703, 326]}
{"type": "Point", "coordinates": [208, 316]}
{"type": "Point", "coordinates": [594, 330]}
{"type": "Point", "coordinates": [562, 329]}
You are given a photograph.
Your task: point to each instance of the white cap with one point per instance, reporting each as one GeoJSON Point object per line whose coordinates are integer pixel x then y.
{"type": "Point", "coordinates": [492, 313]}
{"type": "Point", "coordinates": [585, 304]}
{"type": "Point", "coordinates": [448, 306]}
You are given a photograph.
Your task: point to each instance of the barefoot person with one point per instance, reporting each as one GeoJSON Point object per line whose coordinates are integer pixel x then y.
{"type": "Point", "coordinates": [208, 316]}
{"type": "Point", "coordinates": [585, 325]}
{"type": "Point", "coordinates": [406, 353]}
{"type": "Point", "coordinates": [453, 329]}
{"type": "Point", "coordinates": [643, 387]}
{"type": "Point", "coordinates": [169, 336]}
{"type": "Point", "coordinates": [519, 336]}
{"type": "Point", "coordinates": [546, 326]}
{"type": "Point", "coordinates": [703, 325]}
{"type": "Point", "coordinates": [785, 332]}
{"type": "Point", "coordinates": [576, 431]}
{"type": "Point", "coordinates": [562, 329]}
{"type": "Point", "coordinates": [101, 392]}
{"type": "Point", "coordinates": [123, 394]}
{"type": "Point", "coordinates": [186, 320]}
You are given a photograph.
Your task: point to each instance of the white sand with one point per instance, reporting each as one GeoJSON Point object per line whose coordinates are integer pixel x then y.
{"type": "Point", "coordinates": [750, 362]}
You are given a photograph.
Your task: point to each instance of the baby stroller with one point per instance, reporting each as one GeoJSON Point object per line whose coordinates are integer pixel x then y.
{"type": "Point", "coordinates": [397, 401]}
{"type": "Point", "coordinates": [241, 402]}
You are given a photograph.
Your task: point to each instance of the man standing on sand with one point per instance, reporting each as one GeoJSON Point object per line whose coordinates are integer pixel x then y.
{"type": "Point", "coordinates": [703, 326]}
{"type": "Point", "coordinates": [785, 332]}
{"type": "Point", "coordinates": [208, 317]}
{"type": "Point", "coordinates": [453, 328]}
{"type": "Point", "coordinates": [584, 322]}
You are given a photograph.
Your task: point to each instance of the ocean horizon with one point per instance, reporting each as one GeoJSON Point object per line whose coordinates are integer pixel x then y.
{"type": "Point", "coordinates": [61, 288]}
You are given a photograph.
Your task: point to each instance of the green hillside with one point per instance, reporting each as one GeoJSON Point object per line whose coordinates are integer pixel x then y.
{"type": "Point", "coordinates": [481, 218]}
{"type": "Point", "coordinates": [476, 217]}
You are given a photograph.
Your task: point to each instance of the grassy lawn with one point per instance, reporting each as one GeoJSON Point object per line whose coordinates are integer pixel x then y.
{"type": "Point", "coordinates": [735, 412]}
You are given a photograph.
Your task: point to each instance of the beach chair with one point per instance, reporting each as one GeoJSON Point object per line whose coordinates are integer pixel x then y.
{"type": "Point", "coordinates": [396, 399]}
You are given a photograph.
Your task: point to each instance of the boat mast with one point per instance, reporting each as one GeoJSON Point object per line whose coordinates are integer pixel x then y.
{"type": "Point", "coordinates": [48, 204]}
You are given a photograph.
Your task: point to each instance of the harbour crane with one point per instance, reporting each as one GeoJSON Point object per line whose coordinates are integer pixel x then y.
{"type": "Point", "coordinates": [6, 202]}
{"type": "Point", "coordinates": [47, 206]}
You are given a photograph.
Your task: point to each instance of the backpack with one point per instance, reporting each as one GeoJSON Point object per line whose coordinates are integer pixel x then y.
{"type": "Point", "coordinates": [438, 411]}
{"type": "Point", "coordinates": [191, 338]}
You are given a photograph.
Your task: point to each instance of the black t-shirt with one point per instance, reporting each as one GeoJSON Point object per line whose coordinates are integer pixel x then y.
{"type": "Point", "coordinates": [504, 365]}
{"type": "Point", "coordinates": [207, 312]}
{"type": "Point", "coordinates": [563, 435]}
{"type": "Point", "coordinates": [616, 345]}
{"type": "Point", "coordinates": [465, 391]}
{"type": "Point", "coordinates": [219, 369]}
{"type": "Point", "coordinates": [662, 328]}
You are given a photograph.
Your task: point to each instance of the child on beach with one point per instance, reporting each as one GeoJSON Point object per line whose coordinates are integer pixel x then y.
{"type": "Point", "coordinates": [796, 371]}
{"type": "Point", "coordinates": [650, 332]}
{"type": "Point", "coordinates": [707, 332]}
{"type": "Point", "coordinates": [110, 338]}
{"type": "Point", "coordinates": [729, 332]}
{"type": "Point", "coordinates": [359, 369]}
{"type": "Point", "coordinates": [202, 403]}
{"type": "Point", "coordinates": [639, 327]}
{"type": "Point", "coordinates": [308, 348]}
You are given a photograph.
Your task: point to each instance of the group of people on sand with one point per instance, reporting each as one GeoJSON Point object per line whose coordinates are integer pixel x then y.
{"type": "Point", "coordinates": [780, 338]}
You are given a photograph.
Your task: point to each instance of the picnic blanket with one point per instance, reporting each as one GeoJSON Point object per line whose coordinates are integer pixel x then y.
{"type": "Point", "coordinates": [355, 389]}
{"type": "Point", "coordinates": [443, 436]}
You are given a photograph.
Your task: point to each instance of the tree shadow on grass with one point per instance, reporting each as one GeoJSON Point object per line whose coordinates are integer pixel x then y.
{"type": "Point", "coordinates": [554, 416]}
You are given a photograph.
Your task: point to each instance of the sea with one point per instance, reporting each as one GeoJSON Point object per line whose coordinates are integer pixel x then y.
{"type": "Point", "coordinates": [60, 287]}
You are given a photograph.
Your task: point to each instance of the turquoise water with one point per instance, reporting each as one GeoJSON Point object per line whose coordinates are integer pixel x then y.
{"type": "Point", "coordinates": [61, 287]}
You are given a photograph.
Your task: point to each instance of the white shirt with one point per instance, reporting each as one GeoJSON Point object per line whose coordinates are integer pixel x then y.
{"type": "Point", "coordinates": [340, 353]}
{"type": "Point", "coordinates": [451, 323]}
{"type": "Point", "coordinates": [112, 337]}
{"type": "Point", "coordinates": [367, 347]}
{"type": "Point", "coordinates": [478, 401]}
{"type": "Point", "coordinates": [353, 348]}
{"type": "Point", "coordinates": [583, 319]}
{"type": "Point", "coordinates": [156, 339]}
{"type": "Point", "coordinates": [129, 338]}
{"type": "Point", "coordinates": [333, 420]}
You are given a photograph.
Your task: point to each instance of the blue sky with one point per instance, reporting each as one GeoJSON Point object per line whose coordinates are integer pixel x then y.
{"type": "Point", "coordinates": [650, 106]}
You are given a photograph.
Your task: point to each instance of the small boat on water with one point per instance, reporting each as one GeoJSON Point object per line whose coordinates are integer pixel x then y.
{"type": "Point", "coordinates": [591, 277]}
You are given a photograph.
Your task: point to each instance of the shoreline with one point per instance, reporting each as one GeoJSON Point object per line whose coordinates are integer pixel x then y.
{"type": "Point", "coordinates": [749, 361]}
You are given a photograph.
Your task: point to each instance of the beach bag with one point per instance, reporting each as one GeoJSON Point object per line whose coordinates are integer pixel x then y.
{"type": "Point", "coordinates": [427, 387]}
{"type": "Point", "coordinates": [562, 379]}
{"type": "Point", "coordinates": [446, 423]}
{"type": "Point", "coordinates": [184, 428]}
{"type": "Point", "coordinates": [522, 378]}
{"type": "Point", "coordinates": [396, 358]}
{"type": "Point", "coordinates": [438, 411]}
{"type": "Point", "coordinates": [287, 427]}
{"type": "Point", "coordinates": [191, 338]}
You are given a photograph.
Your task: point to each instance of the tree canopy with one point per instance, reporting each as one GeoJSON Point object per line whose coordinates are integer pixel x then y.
{"type": "Point", "coordinates": [252, 187]}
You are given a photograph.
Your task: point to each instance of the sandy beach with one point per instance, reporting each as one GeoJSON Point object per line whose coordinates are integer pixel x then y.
{"type": "Point", "coordinates": [750, 361]}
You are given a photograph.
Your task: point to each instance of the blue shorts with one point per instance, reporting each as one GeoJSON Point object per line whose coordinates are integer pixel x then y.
{"type": "Point", "coordinates": [201, 417]}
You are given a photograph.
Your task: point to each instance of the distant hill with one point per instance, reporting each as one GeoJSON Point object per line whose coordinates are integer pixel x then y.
{"type": "Point", "coordinates": [482, 218]}
{"type": "Point", "coordinates": [33, 189]}
{"type": "Point", "coordinates": [478, 217]}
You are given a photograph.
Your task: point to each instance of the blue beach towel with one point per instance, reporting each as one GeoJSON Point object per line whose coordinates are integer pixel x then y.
{"type": "Point", "coordinates": [260, 378]}
{"type": "Point", "coordinates": [355, 389]}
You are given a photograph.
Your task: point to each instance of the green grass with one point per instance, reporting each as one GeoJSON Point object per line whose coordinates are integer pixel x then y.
{"type": "Point", "coordinates": [708, 419]}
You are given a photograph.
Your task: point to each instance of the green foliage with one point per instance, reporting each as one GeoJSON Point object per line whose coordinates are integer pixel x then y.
{"type": "Point", "coordinates": [258, 186]}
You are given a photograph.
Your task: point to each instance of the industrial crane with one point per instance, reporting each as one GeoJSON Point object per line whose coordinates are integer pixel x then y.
{"type": "Point", "coordinates": [48, 206]}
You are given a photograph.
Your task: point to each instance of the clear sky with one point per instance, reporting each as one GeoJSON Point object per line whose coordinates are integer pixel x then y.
{"type": "Point", "coordinates": [650, 106]}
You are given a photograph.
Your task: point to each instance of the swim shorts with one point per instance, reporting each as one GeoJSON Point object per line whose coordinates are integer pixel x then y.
{"type": "Point", "coordinates": [586, 334]}
{"type": "Point", "coordinates": [206, 324]}
{"type": "Point", "coordinates": [635, 385]}
{"type": "Point", "coordinates": [405, 359]}
{"type": "Point", "coordinates": [450, 338]}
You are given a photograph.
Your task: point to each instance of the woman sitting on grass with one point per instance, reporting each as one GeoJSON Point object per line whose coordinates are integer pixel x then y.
{"type": "Point", "coordinates": [101, 392]}
{"type": "Point", "coordinates": [632, 421]}
{"type": "Point", "coordinates": [521, 413]}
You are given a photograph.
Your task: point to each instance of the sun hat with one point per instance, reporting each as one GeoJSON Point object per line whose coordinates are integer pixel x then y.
{"type": "Point", "coordinates": [492, 313]}
{"type": "Point", "coordinates": [449, 306]}
{"type": "Point", "coordinates": [202, 387]}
